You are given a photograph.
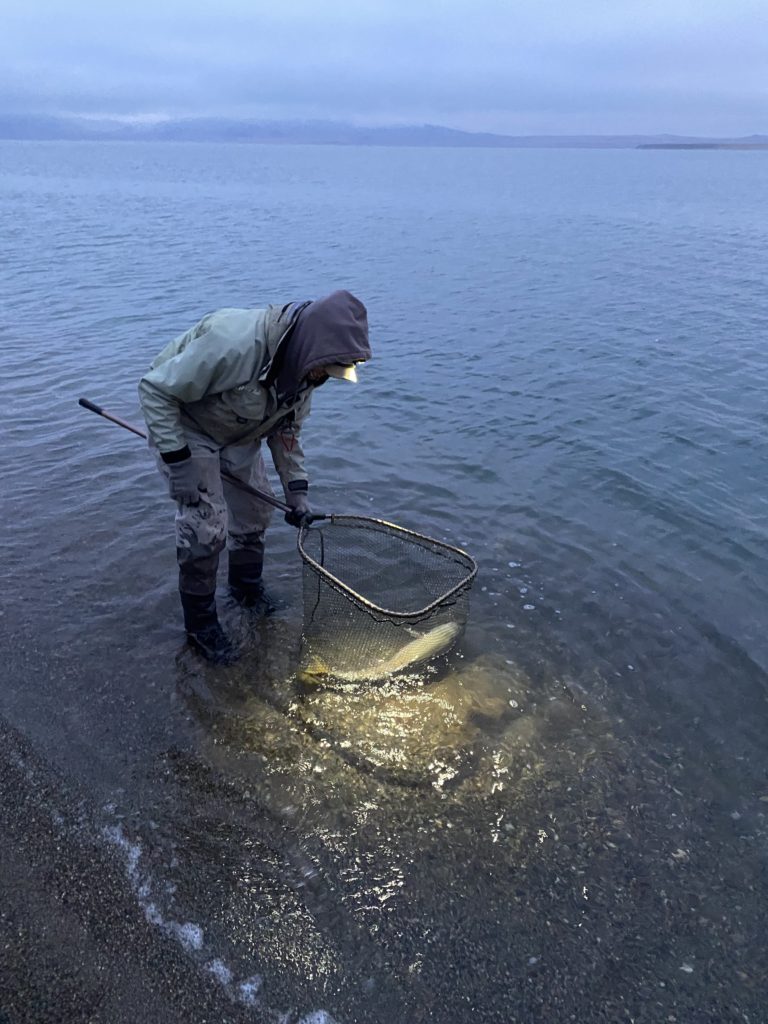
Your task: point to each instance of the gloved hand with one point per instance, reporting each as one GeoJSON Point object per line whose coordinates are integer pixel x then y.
{"type": "Point", "coordinates": [300, 514]}
{"type": "Point", "coordinates": [184, 482]}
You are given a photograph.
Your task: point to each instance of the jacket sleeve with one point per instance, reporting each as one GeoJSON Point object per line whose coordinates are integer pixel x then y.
{"type": "Point", "coordinates": [287, 453]}
{"type": "Point", "coordinates": [217, 354]}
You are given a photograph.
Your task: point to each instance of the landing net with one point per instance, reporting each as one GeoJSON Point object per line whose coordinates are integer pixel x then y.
{"type": "Point", "coordinates": [378, 598]}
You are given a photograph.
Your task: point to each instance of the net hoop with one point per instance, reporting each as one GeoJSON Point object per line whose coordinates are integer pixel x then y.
{"type": "Point", "coordinates": [458, 554]}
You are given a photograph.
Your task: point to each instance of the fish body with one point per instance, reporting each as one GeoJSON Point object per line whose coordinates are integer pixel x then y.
{"type": "Point", "coordinates": [423, 646]}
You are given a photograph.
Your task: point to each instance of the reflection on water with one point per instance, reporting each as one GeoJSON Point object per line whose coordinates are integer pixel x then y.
{"type": "Point", "coordinates": [432, 728]}
{"type": "Point", "coordinates": [328, 826]}
{"type": "Point", "coordinates": [383, 801]}
{"type": "Point", "coordinates": [309, 810]}
{"type": "Point", "coordinates": [413, 731]}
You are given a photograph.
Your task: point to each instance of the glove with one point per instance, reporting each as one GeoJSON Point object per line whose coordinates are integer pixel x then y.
{"type": "Point", "coordinates": [300, 514]}
{"type": "Point", "coordinates": [184, 483]}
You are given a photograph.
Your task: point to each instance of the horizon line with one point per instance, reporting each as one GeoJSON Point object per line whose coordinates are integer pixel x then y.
{"type": "Point", "coordinates": [140, 123]}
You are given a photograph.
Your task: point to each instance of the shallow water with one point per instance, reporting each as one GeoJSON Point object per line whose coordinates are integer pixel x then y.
{"type": "Point", "coordinates": [567, 819]}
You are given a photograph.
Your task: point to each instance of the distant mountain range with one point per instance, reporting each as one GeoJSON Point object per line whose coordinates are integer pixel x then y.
{"type": "Point", "coordinates": [212, 129]}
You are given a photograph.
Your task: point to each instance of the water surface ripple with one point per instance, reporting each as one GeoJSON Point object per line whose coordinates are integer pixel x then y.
{"type": "Point", "coordinates": [568, 821]}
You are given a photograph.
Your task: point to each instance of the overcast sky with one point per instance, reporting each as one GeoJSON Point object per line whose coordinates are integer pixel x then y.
{"type": "Point", "coordinates": [515, 66]}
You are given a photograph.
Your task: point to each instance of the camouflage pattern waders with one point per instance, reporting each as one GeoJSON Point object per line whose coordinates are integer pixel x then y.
{"type": "Point", "coordinates": [225, 515]}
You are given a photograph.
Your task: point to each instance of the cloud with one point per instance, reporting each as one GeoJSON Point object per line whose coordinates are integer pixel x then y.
{"type": "Point", "coordinates": [594, 66]}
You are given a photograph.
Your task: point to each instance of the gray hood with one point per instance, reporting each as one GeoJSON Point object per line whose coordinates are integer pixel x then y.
{"type": "Point", "coordinates": [329, 330]}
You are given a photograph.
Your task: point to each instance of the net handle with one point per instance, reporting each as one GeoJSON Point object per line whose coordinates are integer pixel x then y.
{"type": "Point", "coordinates": [337, 584]}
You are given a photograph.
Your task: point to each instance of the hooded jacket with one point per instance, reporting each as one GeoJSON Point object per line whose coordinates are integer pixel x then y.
{"type": "Point", "coordinates": [239, 375]}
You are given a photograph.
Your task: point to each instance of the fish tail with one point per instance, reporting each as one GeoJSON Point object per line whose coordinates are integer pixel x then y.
{"type": "Point", "coordinates": [315, 667]}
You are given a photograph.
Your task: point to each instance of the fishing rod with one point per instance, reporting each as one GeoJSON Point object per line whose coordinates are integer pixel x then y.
{"type": "Point", "coordinates": [262, 495]}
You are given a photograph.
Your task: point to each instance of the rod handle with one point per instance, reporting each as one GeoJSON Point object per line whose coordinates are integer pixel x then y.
{"type": "Point", "coordinates": [88, 404]}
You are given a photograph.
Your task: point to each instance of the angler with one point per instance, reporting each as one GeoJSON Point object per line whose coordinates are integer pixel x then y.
{"type": "Point", "coordinates": [235, 379]}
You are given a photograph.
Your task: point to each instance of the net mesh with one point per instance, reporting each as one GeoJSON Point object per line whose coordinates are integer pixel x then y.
{"type": "Point", "coordinates": [378, 598]}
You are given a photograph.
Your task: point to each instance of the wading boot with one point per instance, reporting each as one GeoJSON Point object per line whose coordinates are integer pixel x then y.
{"type": "Point", "coordinates": [246, 587]}
{"type": "Point", "coordinates": [204, 631]}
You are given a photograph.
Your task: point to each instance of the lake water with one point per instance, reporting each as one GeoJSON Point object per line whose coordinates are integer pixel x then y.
{"type": "Point", "coordinates": [565, 822]}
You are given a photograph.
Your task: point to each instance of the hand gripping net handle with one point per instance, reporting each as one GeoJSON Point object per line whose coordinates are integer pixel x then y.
{"type": "Point", "coordinates": [443, 552]}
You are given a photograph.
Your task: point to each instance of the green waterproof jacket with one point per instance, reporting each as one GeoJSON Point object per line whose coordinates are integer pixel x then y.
{"type": "Point", "coordinates": [215, 380]}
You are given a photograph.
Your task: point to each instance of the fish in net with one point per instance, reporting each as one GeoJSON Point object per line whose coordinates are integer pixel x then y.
{"type": "Point", "coordinates": [378, 599]}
